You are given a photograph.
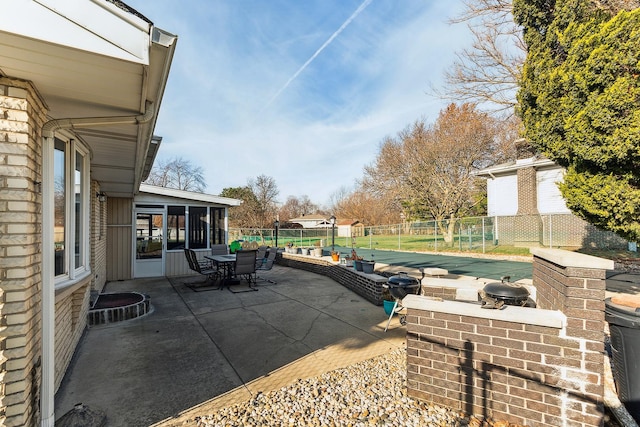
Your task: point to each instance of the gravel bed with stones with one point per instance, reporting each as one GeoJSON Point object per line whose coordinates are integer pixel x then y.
{"type": "Point", "coordinates": [369, 393]}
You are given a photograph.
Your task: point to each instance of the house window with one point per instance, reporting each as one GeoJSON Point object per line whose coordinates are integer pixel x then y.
{"type": "Point", "coordinates": [59, 187]}
{"type": "Point", "coordinates": [198, 225]}
{"type": "Point", "coordinates": [70, 191]}
{"type": "Point", "coordinates": [175, 227]}
{"type": "Point", "coordinates": [78, 218]}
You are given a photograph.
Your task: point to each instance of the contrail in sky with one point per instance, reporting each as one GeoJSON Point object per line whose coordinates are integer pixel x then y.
{"type": "Point", "coordinates": [353, 16]}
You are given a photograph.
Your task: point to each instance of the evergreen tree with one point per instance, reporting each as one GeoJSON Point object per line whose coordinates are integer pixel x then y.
{"type": "Point", "coordinates": [580, 104]}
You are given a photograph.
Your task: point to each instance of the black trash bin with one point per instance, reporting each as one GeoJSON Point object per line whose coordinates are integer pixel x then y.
{"type": "Point", "coordinates": [624, 326]}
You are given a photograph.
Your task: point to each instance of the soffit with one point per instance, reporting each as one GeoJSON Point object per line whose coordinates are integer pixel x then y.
{"type": "Point", "coordinates": [96, 78]}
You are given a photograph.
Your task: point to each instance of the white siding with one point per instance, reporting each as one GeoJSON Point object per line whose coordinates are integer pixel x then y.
{"type": "Point", "coordinates": [176, 263]}
{"type": "Point", "coordinates": [343, 231]}
{"type": "Point", "coordinates": [549, 198]}
{"type": "Point", "coordinates": [502, 194]}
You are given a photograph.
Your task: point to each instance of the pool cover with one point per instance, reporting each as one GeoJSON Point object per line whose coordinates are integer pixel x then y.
{"type": "Point", "coordinates": [455, 264]}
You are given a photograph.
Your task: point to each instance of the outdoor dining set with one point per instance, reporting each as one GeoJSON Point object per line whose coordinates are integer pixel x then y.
{"type": "Point", "coordinates": [224, 269]}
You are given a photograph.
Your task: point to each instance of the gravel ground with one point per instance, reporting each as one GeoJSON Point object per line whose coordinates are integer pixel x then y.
{"type": "Point", "coordinates": [369, 393]}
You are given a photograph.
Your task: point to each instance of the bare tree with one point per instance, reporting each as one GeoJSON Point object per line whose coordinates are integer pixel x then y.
{"type": "Point", "coordinates": [177, 173]}
{"type": "Point", "coordinates": [289, 209]}
{"type": "Point", "coordinates": [338, 196]}
{"type": "Point", "coordinates": [487, 73]}
{"type": "Point", "coordinates": [428, 170]}
{"type": "Point", "coordinates": [295, 207]}
{"type": "Point", "coordinates": [364, 206]}
{"type": "Point", "coordinates": [266, 191]}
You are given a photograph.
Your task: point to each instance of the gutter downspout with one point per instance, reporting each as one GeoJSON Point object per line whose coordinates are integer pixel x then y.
{"type": "Point", "coordinates": [49, 128]}
{"type": "Point", "coordinates": [47, 393]}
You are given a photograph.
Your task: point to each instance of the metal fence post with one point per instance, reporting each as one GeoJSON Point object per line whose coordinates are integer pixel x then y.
{"type": "Point", "coordinates": [483, 241]}
{"type": "Point", "coordinates": [435, 235]}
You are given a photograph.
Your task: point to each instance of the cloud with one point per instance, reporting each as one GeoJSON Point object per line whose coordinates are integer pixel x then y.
{"type": "Point", "coordinates": [336, 33]}
{"type": "Point", "coordinates": [366, 69]}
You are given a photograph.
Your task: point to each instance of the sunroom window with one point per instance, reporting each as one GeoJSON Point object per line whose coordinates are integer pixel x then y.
{"type": "Point", "coordinates": [175, 227]}
{"type": "Point", "coordinates": [194, 227]}
{"type": "Point", "coordinates": [198, 227]}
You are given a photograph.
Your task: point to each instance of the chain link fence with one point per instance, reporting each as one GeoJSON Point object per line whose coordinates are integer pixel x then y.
{"type": "Point", "coordinates": [477, 234]}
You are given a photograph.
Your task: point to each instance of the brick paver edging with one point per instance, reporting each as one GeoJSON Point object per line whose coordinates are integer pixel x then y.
{"type": "Point", "coordinates": [368, 286]}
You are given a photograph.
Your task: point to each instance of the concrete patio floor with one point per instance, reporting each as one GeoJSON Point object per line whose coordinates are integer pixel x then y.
{"type": "Point", "coordinates": [199, 351]}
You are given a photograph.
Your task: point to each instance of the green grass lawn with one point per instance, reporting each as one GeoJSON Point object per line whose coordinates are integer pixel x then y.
{"type": "Point", "coordinates": [427, 243]}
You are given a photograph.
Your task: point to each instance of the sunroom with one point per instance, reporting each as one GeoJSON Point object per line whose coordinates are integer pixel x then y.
{"type": "Point", "coordinates": [165, 222]}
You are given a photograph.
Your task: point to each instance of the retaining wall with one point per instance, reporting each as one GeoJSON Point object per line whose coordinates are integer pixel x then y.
{"type": "Point", "coordinates": [368, 286]}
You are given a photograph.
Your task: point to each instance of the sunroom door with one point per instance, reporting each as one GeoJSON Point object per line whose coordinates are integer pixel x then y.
{"type": "Point", "coordinates": [149, 243]}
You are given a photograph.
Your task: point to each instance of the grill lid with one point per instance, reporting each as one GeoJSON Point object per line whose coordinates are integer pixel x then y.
{"type": "Point", "coordinates": [402, 279]}
{"type": "Point", "coordinates": [505, 289]}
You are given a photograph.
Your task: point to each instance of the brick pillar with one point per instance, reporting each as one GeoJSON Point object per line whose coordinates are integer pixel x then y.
{"type": "Point", "coordinates": [22, 114]}
{"type": "Point", "coordinates": [528, 224]}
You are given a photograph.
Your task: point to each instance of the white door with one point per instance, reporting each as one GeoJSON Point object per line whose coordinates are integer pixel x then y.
{"type": "Point", "coordinates": [149, 243]}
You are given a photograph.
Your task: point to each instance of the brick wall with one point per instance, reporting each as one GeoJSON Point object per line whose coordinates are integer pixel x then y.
{"type": "Point", "coordinates": [535, 367]}
{"type": "Point", "coordinates": [98, 239]}
{"type": "Point", "coordinates": [528, 225]}
{"type": "Point", "coordinates": [22, 114]}
{"type": "Point", "coordinates": [527, 191]}
{"type": "Point", "coordinates": [368, 286]}
{"type": "Point", "coordinates": [557, 230]}
{"type": "Point", "coordinates": [71, 309]}
{"type": "Point", "coordinates": [442, 292]}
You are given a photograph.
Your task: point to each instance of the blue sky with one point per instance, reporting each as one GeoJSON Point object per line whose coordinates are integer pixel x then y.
{"type": "Point", "coordinates": [303, 91]}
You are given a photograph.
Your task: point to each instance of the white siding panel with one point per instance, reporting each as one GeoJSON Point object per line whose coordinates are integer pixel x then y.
{"type": "Point", "coordinates": [502, 193]}
{"type": "Point", "coordinates": [176, 264]}
{"type": "Point", "coordinates": [549, 198]}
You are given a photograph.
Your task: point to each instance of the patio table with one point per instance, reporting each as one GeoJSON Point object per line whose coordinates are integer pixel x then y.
{"type": "Point", "coordinates": [223, 263]}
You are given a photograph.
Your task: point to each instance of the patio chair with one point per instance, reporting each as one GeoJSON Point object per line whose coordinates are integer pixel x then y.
{"type": "Point", "coordinates": [221, 249]}
{"type": "Point", "coordinates": [245, 266]}
{"type": "Point", "coordinates": [261, 256]}
{"type": "Point", "coordinates": [267, 264]}
{"type": "Point", "coordinates": [201, 267]}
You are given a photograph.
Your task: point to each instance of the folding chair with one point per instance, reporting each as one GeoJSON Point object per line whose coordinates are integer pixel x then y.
{"type": "Point", "coordinates": [201, 267]}
{"type": "Point", "coordinates": [267, 264]}
{"type": "Point", "coordinates": [245, 266]}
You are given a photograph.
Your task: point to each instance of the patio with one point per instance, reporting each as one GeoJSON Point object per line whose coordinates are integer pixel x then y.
{"type": "Point", "coordinates": [199, 351]}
